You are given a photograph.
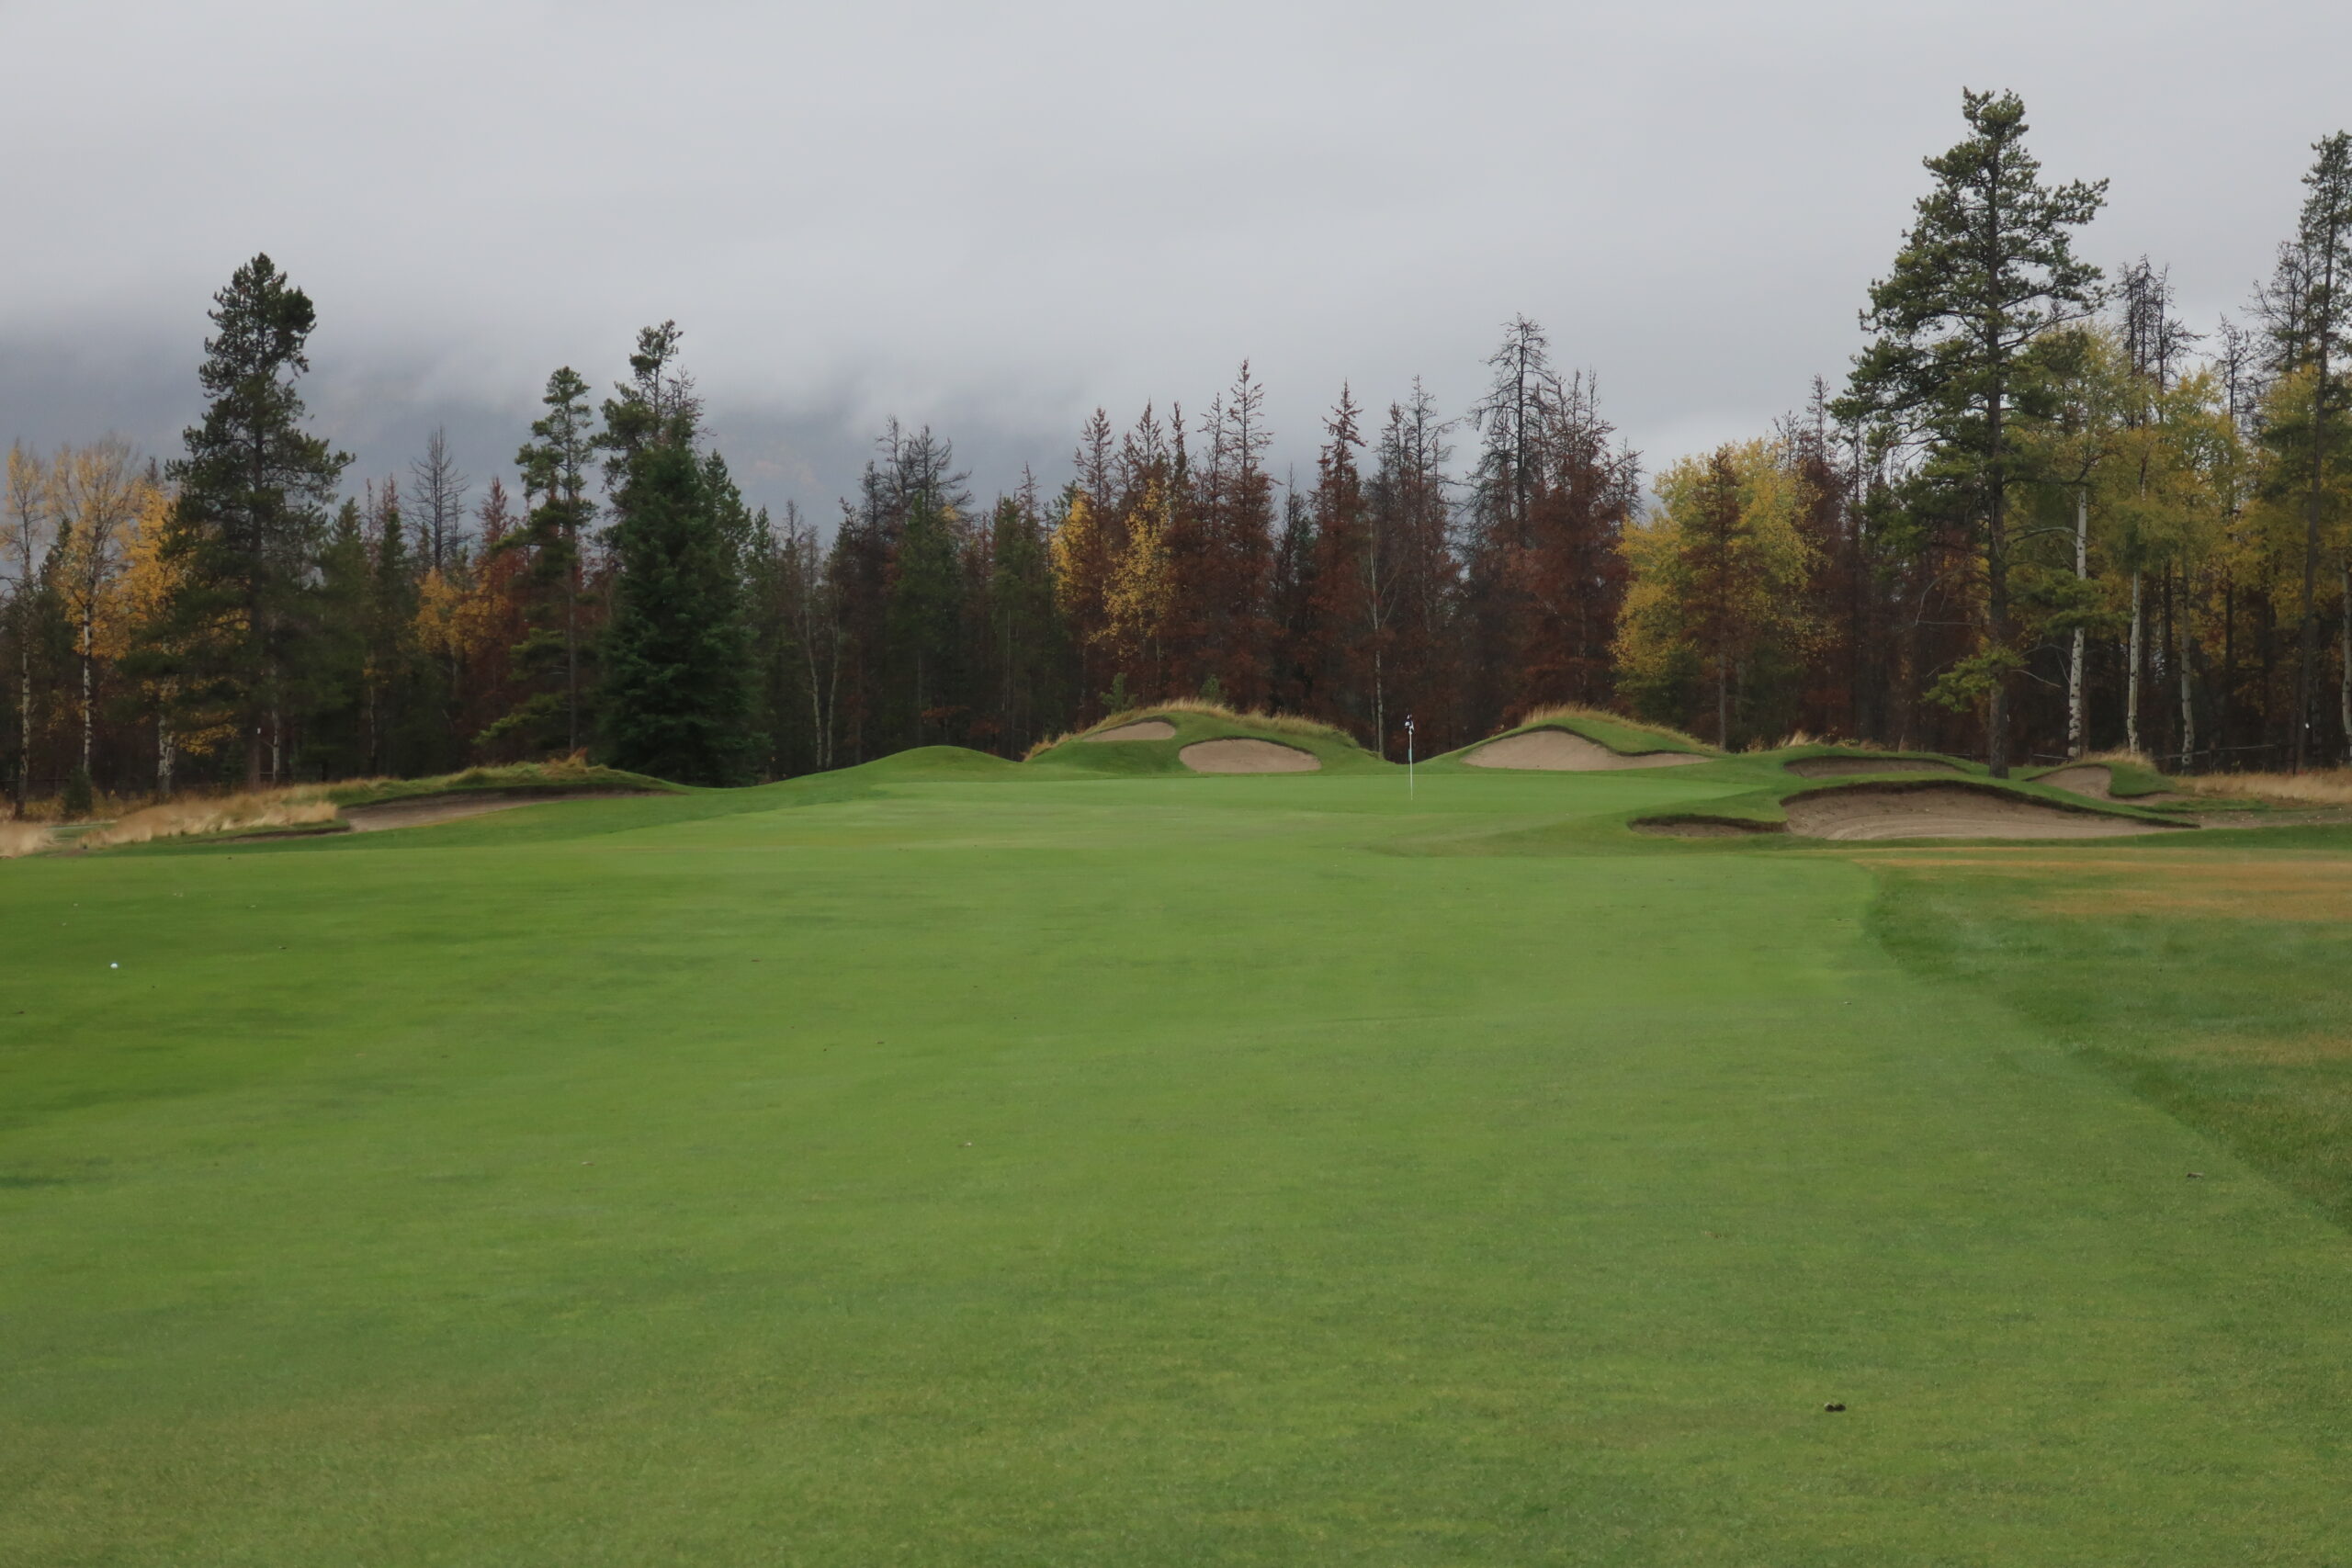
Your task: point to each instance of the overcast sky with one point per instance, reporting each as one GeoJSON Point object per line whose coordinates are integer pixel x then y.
{"type": "Point", "coordinates": [992, 218]}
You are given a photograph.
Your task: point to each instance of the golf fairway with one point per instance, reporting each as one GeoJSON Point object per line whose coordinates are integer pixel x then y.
{"type": "Point", "coordinates": [1161, 1170]}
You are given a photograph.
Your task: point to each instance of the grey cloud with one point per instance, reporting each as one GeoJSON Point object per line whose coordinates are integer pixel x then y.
{"type": "Point", "coordinates": [991, 219]}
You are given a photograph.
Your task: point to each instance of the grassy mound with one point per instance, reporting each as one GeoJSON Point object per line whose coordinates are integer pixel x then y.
{"type": "Point", "coordinates": [1195, 721]}
{"type": "Point", "coordinates": [1764, 812]}
{"type": "Point", "coordinates": [1624, 735]}
{"type": "Point", "coordinates": [1789, 758]}
{"type": "Point", "coordinates": [566, 776]}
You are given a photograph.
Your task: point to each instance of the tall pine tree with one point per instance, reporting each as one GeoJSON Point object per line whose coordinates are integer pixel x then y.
{"type": "Point", "coordinates": [677, 654]}
{"type": "Point", "coordinates": [253, 490]}
{"type": "Point", "coordinates": [1988, 271]}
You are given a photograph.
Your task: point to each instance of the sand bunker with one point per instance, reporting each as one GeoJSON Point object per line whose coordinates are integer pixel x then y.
{"type": "Point", "coordinates": [1243, 756]}
{"type": "Point", "coordinates": [1141, 730]}
{"type": "Point", "coordinates": [1558, 751]}
{"type": "Point", "coordinates": [1837, 767]}
{"type": "Point", "coordinates": [1943, 812]}
{"type": "Point", "coordinates": [426, 809]}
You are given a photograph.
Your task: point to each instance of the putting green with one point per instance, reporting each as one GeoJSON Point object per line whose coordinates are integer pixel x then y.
{"type": "Point", "coordinates": [983, 1167]}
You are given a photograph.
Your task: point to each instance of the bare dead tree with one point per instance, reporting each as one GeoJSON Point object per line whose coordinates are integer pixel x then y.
{"type": "Point", "coordinates": [437, 494]}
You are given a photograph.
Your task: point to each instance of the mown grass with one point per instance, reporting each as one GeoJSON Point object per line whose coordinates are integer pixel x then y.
{"type": "Point", "coordinates": [947, 1161]}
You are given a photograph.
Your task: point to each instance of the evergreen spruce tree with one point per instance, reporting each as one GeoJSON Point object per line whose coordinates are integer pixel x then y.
{"type": "Point", "coordinates": [677, 653]}
{"type": "Point", "coordinates": [253, 489]}
{"type": "Point", "coordinates": [339, 655]}
{"type": "Point", "coordinates": [1988, 271]}
{"type": "Point", "coordinates": [548, 658]}
{"type": "Point", "coordinates": [926, 611]}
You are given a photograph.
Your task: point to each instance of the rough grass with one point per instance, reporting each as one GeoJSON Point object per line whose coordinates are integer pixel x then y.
{"type": "Point", "coordinates": [22, 839]}
{"type": "Point", "coordinates": [2209, 983]}
{"type": "Point", "coordinates": [225, 814]}
{"type": "Point", "coordinates": [51, 809]}
{"type": "Point", "coordinates": [560, 776]}
{"type": "Point", "coordinates": [2322, 787]}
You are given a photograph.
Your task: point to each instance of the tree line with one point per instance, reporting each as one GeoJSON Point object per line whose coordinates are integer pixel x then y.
{"type": "Point", "coordinates": [2041, 516]}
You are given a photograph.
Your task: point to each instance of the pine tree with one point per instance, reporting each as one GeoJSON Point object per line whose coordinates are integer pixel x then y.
{"type": "Point", "coordinates": [677, 654]}
{"type": "Point", "coordinates": [925, 612]}
{"type": "Point", "coordinates": [2309, 311]}
{"type": "Point", "coordinates": [1025, 637]}
{"type": "Point", "coordinates": [1347, 602]}
{"type": "Point", "coordinates": [252, 492]}
{"type": "Point", "coordinates": [546, 658]}
{"type": "Point", "coordinates": [1222, 555]}
{"type": "Point", "coordinates": [1416, 669]}
{"type": "Point", "coordinates": [1988, 271]}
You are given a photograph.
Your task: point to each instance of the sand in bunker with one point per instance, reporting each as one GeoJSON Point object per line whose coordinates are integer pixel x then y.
{"type": "Point", "coordinates": [1836, 767]}
{"type": "Point", "coordinates": [433, 809]}
{"type": "Point", "coordinates": [1243, 756]}
{"type": "Point", "coordinates": [1945, 813]}
{"type": "Point", "coordinates": [1142, 730]}
{"type": "Point", "coordinates": [1557, 751]}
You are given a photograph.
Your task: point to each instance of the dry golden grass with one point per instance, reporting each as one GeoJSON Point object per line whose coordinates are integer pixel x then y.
{"type": "Point", "coordinates": [2265, 890]}
{"type": "Point", "coordinates": [2322, 787]}
{"type": "Point", "coordinates": [227, 814]}
{"type": "Point", "coordinates": [1277, 723]}
{"type": "Point", "coordinates": [2255, 885]}
{"type": "Point", "coordinates": [103, 808]}
{"type": "Point", "coordinates": [22, 839]}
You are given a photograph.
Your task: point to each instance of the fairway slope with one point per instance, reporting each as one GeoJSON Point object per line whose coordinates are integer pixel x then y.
{"type": "Point", "coordinates": [423, 810]}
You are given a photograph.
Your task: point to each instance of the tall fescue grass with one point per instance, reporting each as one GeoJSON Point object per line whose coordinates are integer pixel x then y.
{"type": "Point", "coordinates": [2321, 787]}
{"type": "Point", "coordinates": [103, 808]}
{"type": "Point", "coordinates": [22, 839]}
{"type": "Point", "coordinates": [554, 776]}
{"type": "Point", "coordinates": [225, 814]}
